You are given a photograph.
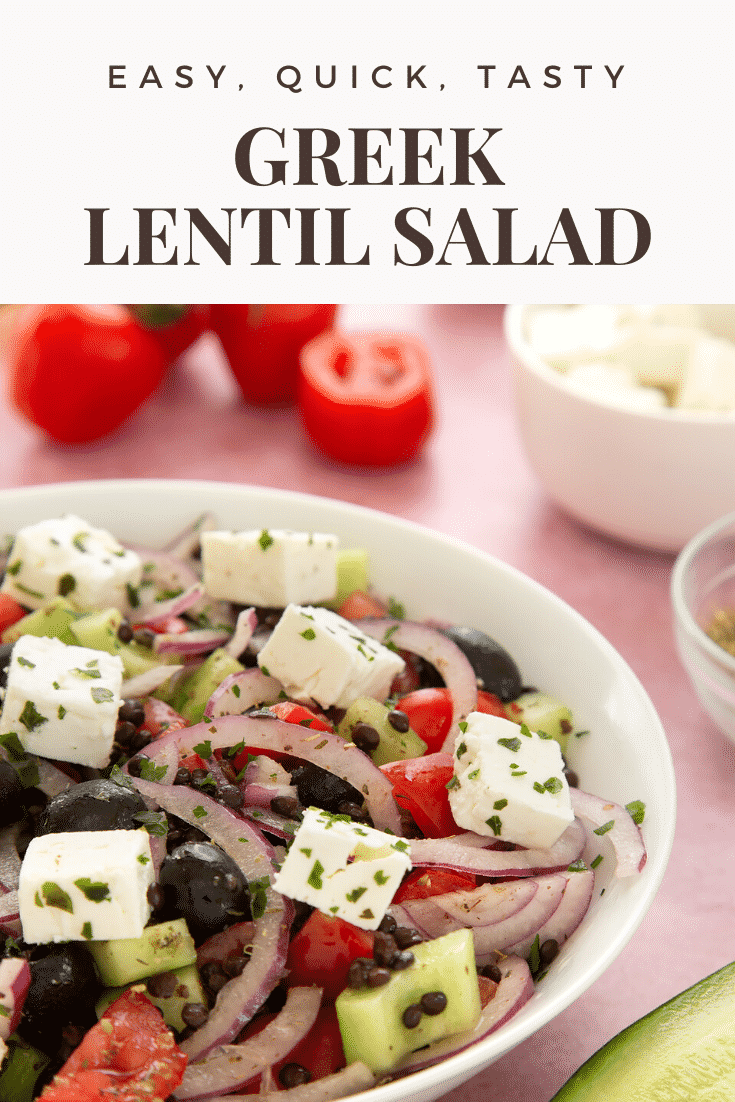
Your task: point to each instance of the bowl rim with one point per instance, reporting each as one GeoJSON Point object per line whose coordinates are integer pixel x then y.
{"type": "Point", "coordinates": [430, 1082]}
{"type": "Point", "coordinates": [513, 319]}
{"type": "Point", "coordinates": [681, 611]}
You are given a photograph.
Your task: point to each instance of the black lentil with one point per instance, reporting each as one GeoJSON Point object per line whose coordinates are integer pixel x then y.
{"type": "Point", "coordinates": [162, 985]}
{"type": "Point", "coordinates": [365, 737]}
{"type": "Point", "coordinates": [399, 721]}
{"type": "Point", "coordinates": [125, 632]}
{"type": "Point", "coordinates": [433, 1002]}
{"type": "Point", "coordinates": [548, 951]}
{"type": "Point", "coordinates": [131, 711]}
{"type": "Point", "coordinates": [194, 1014]}
{"type": "Point", "coordinates": [405, 937]}
{"type": "Point", "coordinates": [378, 976]}
{"type": "Point", "coordinates": [183, 776]}
{"type": "Point", "coordinates": [492, 972]}
{"type": "Point", "coordinates": [293, 1075]}
{"type": "Point", "coordinates": [402, 959]}
{"type": "Point", "coordinates": [288, 806]}
{"type": "Point", "coordinates": [412, 1015]}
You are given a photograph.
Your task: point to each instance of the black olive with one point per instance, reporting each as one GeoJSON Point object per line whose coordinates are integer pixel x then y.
{"type": "Point", "coordinates": [6, 650]}
{"type": "Point", "coordinates": [12, 795]}
{"type": "Point", "coordinates": [318, 788]}
{"type": "Point", "coordinates": [205, 886]}
{"type": "Point", "coordinates": [101, 804]}
{"type": "Point", "coordinates": [63, 991]}
{"type": "Point", "coordinates": [494, 668]}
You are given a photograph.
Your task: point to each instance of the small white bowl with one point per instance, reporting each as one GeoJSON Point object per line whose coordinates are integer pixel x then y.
{"type": "Point", "coordinates": [624, 757]}
{"type": "Point", "coordinates": [652, 478]}
{"type": "Point", "coordinates": [702, 583]}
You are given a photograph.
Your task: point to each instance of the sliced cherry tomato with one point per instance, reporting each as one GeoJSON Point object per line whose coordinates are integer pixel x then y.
{"type": "Point", "coordinates": [491, 704]}
{"type": "Point", "coordinates": [429, 712]}
{"type": "Point", "coordinates": [174, 327]}
{"type": "Point", "coordinates": [359, 606]}
{"type": "Point", "coordinates": [10, 611]}
{"type": "Point", "coordinates": [192, 762]}
{"type": "Point", "coordinates": [298, 713]}
{"type": "Point", "coordinates": [172, 625]}
{"type": "Point", "coordinates": [322, 952]}
{"type": "Point", "coordinates": [78, 372]}
{"type": "Point", "coordinates": [423, 883]}
{"type": "Point", "coordinates": [420, 785]}
{"type": "Point", "coordinates": [161, 717]}
{"type": "Point", "coordinates": [366, 398]}
{"type": "Point", "coordinates": [262, 345]}
{"type": "Point", "coordinates": [129, 1055]}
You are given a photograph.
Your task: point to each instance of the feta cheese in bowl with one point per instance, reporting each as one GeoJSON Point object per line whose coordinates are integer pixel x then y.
{"type": "Point", "coordinates": [627, 414]}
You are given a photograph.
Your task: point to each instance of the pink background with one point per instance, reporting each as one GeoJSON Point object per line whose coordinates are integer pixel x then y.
{"type": "Point", "coordinates": [473, 482]}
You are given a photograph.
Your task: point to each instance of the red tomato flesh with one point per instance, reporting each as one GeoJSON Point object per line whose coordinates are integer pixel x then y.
{"type": "Point", "coordinates": [420, 785]}
{"type": "Point", "coordinates": [10, 611]}
{"type": "Point", "coordinates": [423, 883]}
{"type": "Point", "coordinates": [322, 952]}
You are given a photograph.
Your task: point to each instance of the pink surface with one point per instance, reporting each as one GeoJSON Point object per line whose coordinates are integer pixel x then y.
{"type": "Point", "coordinates": [474, 482]}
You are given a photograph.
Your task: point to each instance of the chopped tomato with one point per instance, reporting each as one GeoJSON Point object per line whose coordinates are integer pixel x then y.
{"type": "Point", "coordinates": [420, 786]}
{"type": "Point", "coordinates": [366, 398]}
{"type": "Point", "coordinates": [359, 606]}
{"type": "Point", "coordinates": [298, 713]}
{"type": "Point", "coordinates": [322, 952]}
{"type": "Point", "coordinates": [172, 625]}
{"type": "Point", "coordinates": [262, 345]}
{"type": "Point", "coordinates": [130, 1055]}
{"type": "Point", "coordinates": [491, 704]}
{"type": "Point", "coordinates": [423, 883]}
{"type": "Point", "coordinates": [320, 1051]}
{"type": "Point", "coordinates": [192, 762]}
{"type": "Point", "coordinates": [429, 712]}
{"type": "Point", "coordinates": [161, 717]}
{"type": "Point", "coordinates": [10, 611]}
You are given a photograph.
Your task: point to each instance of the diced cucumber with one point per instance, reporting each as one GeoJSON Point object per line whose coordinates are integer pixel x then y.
{"type": "Point", "coordinates": [52, 620]}
{"type": "Point", "coordinates": [393, 745]}
{"type": "Point", "coordinates": [541, 712]}
{"type": "Point", "coordinates": [160, 948]}
{"type": "Point", "coordinates": [98, 630]}
{"type": "Point", "coordinates": [20, 1071]}
{"type": "Point", "coordinates": [371, 1018]}
{"type": "Point", "coordinates": [352, 574]}
{"type": "Point", "coordinates": [187, 989]}
{"type": "Point", "coordinates": [191, 694]}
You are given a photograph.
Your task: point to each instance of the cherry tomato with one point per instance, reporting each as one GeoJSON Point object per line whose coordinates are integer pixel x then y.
{"type": "Point", "coordinates": [423, 883]}
{"type": "Point", "coordinates": [78, 372]}
{"type": "Point", "coordinates": [366, 398]}
{"type": "Point", "coordinates": [10, 612]}
{"type": "Point", "coordinates": [359, 606]}
{"type": "Point", "coordinates": [420, 785]}
{"type": "Point", "coordinates": [430, 714]}
{"type": "Point", "coordinates": [130, 1055]}
{"type": "Point", "coordinates": [174, 327]}
{"type": "Point", "coordinates": [298, 713]}
{"type": "Point", "coordinates": [322, 952]}
{"type": "Point", "coordinates": [490, 704]}
{"type": "Point", "coordinates": [262, 345]}
{"type": "Point", "coordinates": [161, 717]}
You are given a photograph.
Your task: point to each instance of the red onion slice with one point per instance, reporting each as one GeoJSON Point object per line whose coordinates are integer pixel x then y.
{"type": "Point", "coordinates": [198, 641]}
{"type": "Point", "coordinates": [226, 943]}
{"type": "Point", "coordinates": [444, 655]}
{"type": "Point", "coordinates": [515, 989]}
{"type": "Point", "coordinates": [15, 979]}
{"type": "Point", "coordinates": [145, 683]}
{"type": "Point", "coordinates": [243, 996]}
{"type": "Point", "coordinates": [624, 835]}
{"type": "Point", "coordinates": [247, 621]}
{"type": "Point", "coordinates": [229, 1067]}
{"type": "Point", "coordinates": [322, 748]}
{"type": "Point", "coordinates": [266, 780]}
{"type": "Point", "coordinates": [158, 611]}
{"type": "Point", "coordinates": [567, 916]}
{"type": "Point", "coordinates": [241, 691]}
{"type": "Point", "coordinates": [52, 780]}
{"type": "Point", "coordinates": [186, 543]}
{"type": "Point", "coordinates": [341, 1084]}
{"type": "Point", "coordinates": [450, 853]}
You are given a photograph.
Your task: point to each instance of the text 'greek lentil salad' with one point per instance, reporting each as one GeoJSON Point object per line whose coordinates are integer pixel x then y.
{"type": "Point", "coordinates": [261, 832]}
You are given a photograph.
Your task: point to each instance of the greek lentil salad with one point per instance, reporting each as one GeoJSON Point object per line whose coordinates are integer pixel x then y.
{"type": "Point", "coordinates": [260, 831]}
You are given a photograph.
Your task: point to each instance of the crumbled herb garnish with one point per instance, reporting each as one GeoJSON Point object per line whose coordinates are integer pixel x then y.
{"type": "Point", "coordinates": [149, 771]}
{"type": "Point", "coordinates": [396, 610]}
{"type": "Point", "coordinates": [534, 956]}
{"type": "Point", "coordinates": [367, 913]}
{"type": "Point", "coordinates": [265, 670]}
{"type": "Point", "coordinates": [500, 804]}
{"type": "Point", "coordinates": [87, 931]}
{"type": "Point", "coordinates": [543, 734]}
{"type": "Point", "coordinates": [354, 895]}
{"type": "Point", "coordinates": [96, 891]}
{"type": "Point", "coordinates": [26, 662]}
{"type": "Point", "coordinates": [199, 812]}
{"type": "Point", "coordinates": [473, 775]}
{"type": "Point", "coordinates": [203, 749]}
{"type": "Point", "coordinates": [169, 594]}
{"type": "Point", "coordinates": [314, 878]}
{"type": "Point", "coordinates": [258, 897]}
{"type": "Point", "coordinates": [553, 784]}
{"type": "Point", "coordinates": [79, 539]}
{"type": "Point", "coordinates": [100, 695]}
{"type": "Point", "coordinates": [605, 827]}
{"type": "Point", "coordinates": [155, 822]}
{"type": "Point", "coordinates": [461, 749]}
{"type": "Point", "coordinates": [143, 859]}
{"type": "Point", "coordinates": [55, 896]}
{"type": "Point", "coordinates": [30, 592]}
{"type": "Point", "coordinates": [637, 811]}
{"type": "Point", "coordinates": [577, 866]}
{"type": "Point", "coordinates": [538, 787]}
{"type": "Point", "coordinates": [580, 734]}
{"type": "Point", "coordinates": [30, 717]}
{"type": "Point", "coordinates": [117, 775]}
{"type": "Point", "coordinates": [402, 846]}
{"type": "Point", "coordinates": [235, 689]}
{"type": "Point", "coordinates": [308, 634]}
{"type": "Point", "coordinates": [67, 584]}
{"type": "Point", "coordinates": [380, 877]}
{"type": "Point", "coordinates": [265, 540]}
{"type": "Point", "coordinates": [306, 850]}
{"type": "Point", "coordinates": [597, 860]}
{"type": "Point", "coordinates": [133, 595]}
{"type": "Point", "coordinates": [453, 782]}
{"type": "Point", "coordinates": [14, 567]}
{"type": "Point", "coordinates": [463, 727]}
{"type": "Point", "coordinates": [387, 640]}
{"type": "Point", "coordinates": [519, 773]}
{"type": "Point", "coordinates": [495, 824]}
{"type": "Point", "coordinates": [61, 711]}
{"type": "Point", "coordinates": [525, 730]}
{"type": "Point", "coordinates": [90, 673]}
{"type": "Point", "coordinates": [512, 744]}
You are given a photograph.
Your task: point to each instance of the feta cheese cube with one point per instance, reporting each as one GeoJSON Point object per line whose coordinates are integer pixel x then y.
{"type": "Point", "coordinates": [62, 701]}
{"type": "Point", "coordinates": [270, 568]}
{"type": "Point", "coordinates": [343, 868]}
{"type": "Point", "coordinates": [565, 335]}
{"type": "Point", "coordinates": [69, 557]}
{"type": "Point", "coordinates": [89, 885]}
{"type": "Point", "coordinates": [709, 378]}
{"type": "Point", "coordinates": [315, 653]}
{"type": "Point", "coordinates": [510, 783]}
{"type": "Point", "coordinates": [615, 385]}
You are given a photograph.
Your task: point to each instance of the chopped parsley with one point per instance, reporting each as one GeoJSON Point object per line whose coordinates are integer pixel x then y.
{"type": "Point", "coordinates": [396, 610]}
{"type": "Point", "coordinates": [500, 804]}
{"type": "Point", "coordinates": [512, 744]}
{"type": "Point", "coordinates": [79, 539]}
{"type": "Point", "coordinates": [30, 717]}
{"type": "Point", "coordinates": [87, 931]}
{"type": "Point", "coordinates": [577, 866]}
{"type": "Point", "coordinates": [155, 822]}
{"type": "Point", "coordinates": [149, 771]}
{"type": "Point", "coordinates": [354, 895]}
{"type": "Point", "coordinates": [314, 878]}
{"type": "Point", "coordinates": [309, 634]}
{"type": "Point", "coordinates": [96, 891]}
{"type": "Point", "coordinates": [55, 896]}
{"type": "Point", "coordinates": [258, 897]}
{"type": "Point", "coordinates": [26, 662]}
{"type": "Point", "coordinates": [380, 877]}
{"type": "Point", "coordinates": [495, 824]}
{"type": "Point", "coordinates": [462, 748]}
{"type": "Point", "coordinates": [87, 672]}
{"type": "Point", "coordinates": [100, 695]}
{"type": "Point", "coordinates": [199, 812]}
{"type": "Point", "coordinates": [133, 595]}
{"type": "Point", "coordinates": [637, 811]}
{"type": "Point", "coordinates": [596, 861]}
{"type": "Point", "coordinates": [605, 827]}
{"type": "Point", "coordinates": [203, 749]}
{"type": "Point", "coordinates": [14, 567]}
{"type": "Point", "coordinates": [265, 539]}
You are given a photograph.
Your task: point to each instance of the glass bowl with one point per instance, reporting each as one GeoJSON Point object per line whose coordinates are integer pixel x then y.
{"type": "Point", "coordinates": [703, 585]}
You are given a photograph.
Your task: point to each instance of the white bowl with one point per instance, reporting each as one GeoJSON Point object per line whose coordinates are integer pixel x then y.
{"type": "Point", "coordinates": [625, 756]}
{"type": "Point", "coordinates": [702, 582]}
{"type": "Point", "coordinates": [654, 478]}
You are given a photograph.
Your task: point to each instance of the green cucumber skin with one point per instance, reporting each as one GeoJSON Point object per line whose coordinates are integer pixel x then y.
{"type": "Point", "coordinates": [683, 1051]}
